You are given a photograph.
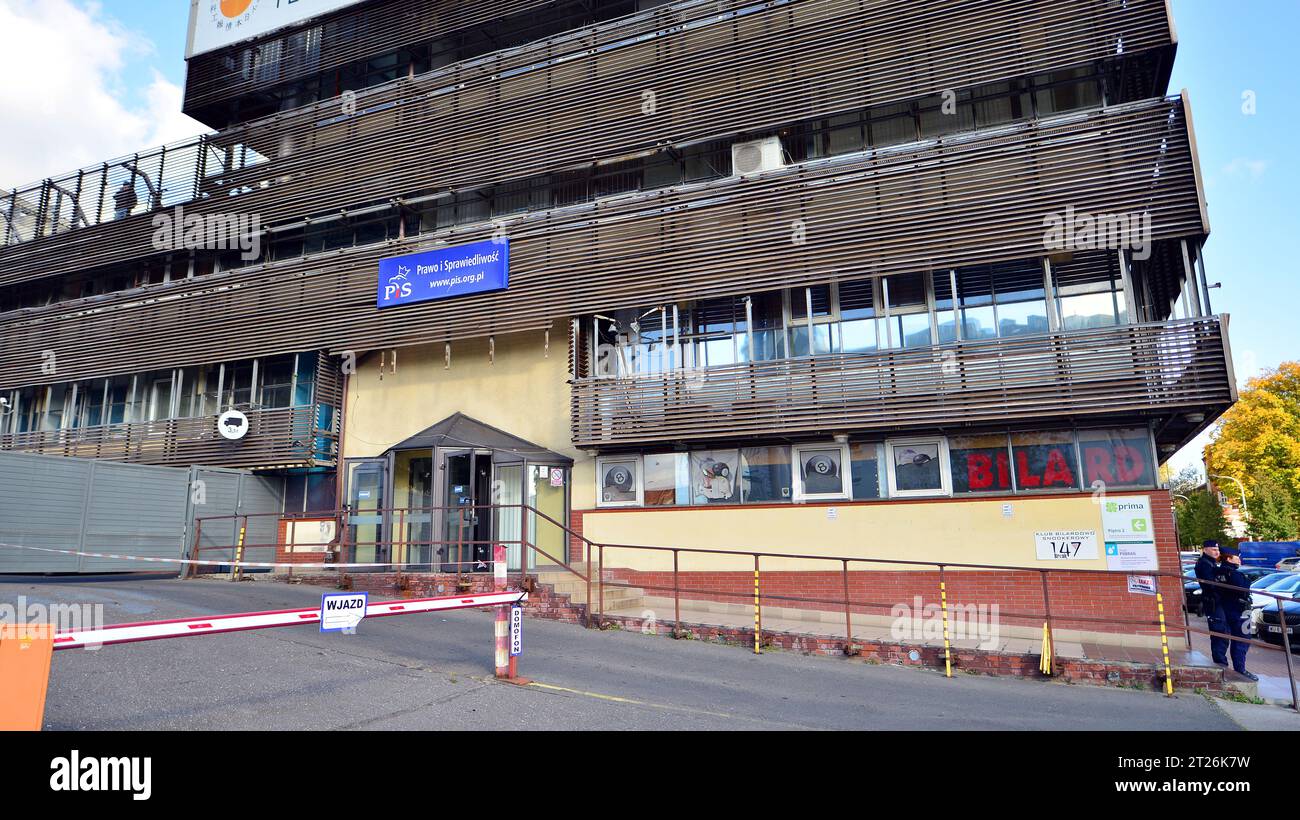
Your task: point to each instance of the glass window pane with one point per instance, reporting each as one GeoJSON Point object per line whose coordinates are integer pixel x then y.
{"type": "Point", "coordinates": [914, 330]}
{"type": "Point", "coordinates": [860, 336]}
{"type": "Point", "coordinates": [713, 476]}
{"type": "Point", "coordinates": [1045, 461]}
{"type": "Point", "coordinates": [865, 460]}
{"type": "Point", "coordinates": [766, 476]}
{"type": "Point", "coordinates": [978, 323]}
{"type": "Point", "coordinates": [1088, 311]}
{"type": "Point", "coordinates": [1022, 318]}
{"type": "Point", "coordinates": [822, 471]}
{"type": "Point", "coordinates": [907, 291]}
{"type": "Point", "coordinates": [1119, 458]}
{"type": "Point", "coordinates": [618, 481]}
{"type": "Point", "coordinates": [916, 467]}
{"type": "Point", "coordinates": [980, 464]}
{"type": "Point", "coordinates": [667, 481]}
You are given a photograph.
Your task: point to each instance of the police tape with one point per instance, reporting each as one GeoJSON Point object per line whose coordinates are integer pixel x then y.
{"type": "Point", "coordinates": [244, 564]}
{"type": "Point", "coordinates": [244, 622]}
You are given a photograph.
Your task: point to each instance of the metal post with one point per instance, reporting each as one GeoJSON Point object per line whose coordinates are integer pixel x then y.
{"type": "Point", "coordinates": [236, 571]}
{"type": "Point", "coordinates": [1164, 642]}
{"type": "Point", "coordinates": [677, 596]}
{"type": "Point", "coordinates": [1051, 630]}
{"type": "Point", "coordinates": [947, 640]}
{"type": "Point", "coordinates": [460, 536]}
{"type": "Point", "coordinates": [758, 612]}
{"type": "Point", "coordinates": [848, 610]}
{"type": "Point", "coordinates": [293, 536]}
{"type": "Point", "coordinates": [590, 569]}
{"type": "Point", "coordinates": [1286, 647]}
{"type": "Point", "coordinates": [193, 569]}
{"type": "Point", "coordinates": [502, 624]}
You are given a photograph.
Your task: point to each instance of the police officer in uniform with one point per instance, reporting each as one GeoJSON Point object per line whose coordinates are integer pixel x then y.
{"type": "Point", "coordinates": [1207, 569]}
{"type": "Point", "coordinates": [1234, 603]}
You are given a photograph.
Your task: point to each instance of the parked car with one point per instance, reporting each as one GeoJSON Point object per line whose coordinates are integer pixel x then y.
{"type": "Point", "coordinates": [1288, 564]}
{"type": "Point", "coordinates": [1288, 587]}
{"type": "Point", "coordinates": [1268, 624]}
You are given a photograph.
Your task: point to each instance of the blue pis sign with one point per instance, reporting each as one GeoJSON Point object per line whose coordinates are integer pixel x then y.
{"type": "Point", "coordinates": [445, 273]}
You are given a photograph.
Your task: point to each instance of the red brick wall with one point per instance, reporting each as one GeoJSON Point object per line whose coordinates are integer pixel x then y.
{"type": "Point", "coordinates": [282, 554]}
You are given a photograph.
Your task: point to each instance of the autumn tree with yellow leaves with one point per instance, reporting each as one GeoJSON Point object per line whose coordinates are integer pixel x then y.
{"type": "Point", "coordinates": [1258, 442]}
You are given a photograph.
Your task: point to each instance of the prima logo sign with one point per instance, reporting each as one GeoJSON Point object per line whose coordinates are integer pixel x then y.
{"type": "Point", "coordinates": [75, 773]}
{"type": "Point", "coordinates": [178, 231]}
{"type": "Point", "coordinates": [1079, 231]}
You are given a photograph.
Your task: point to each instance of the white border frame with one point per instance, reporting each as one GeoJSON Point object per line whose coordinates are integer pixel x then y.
{"type": "Point", "coordinates": [846, 473]}
{"type": "Point", "coordinates": [945, 467]}
{"type": "Point", "coordinates": [637, 482]}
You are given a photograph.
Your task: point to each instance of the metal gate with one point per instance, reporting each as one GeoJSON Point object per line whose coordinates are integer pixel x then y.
{"type": "Point", "coordinates": [102, 506]}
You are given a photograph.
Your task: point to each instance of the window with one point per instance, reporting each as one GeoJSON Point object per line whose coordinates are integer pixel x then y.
{"type": "Point", "coordinates": [1045, 461]}
{"type": "Point", "coordinates": [667, 482]}
{"type": "Point", "coordinates": [714, 475]}
{"type": "Point", "coordinates": [822, 472]}
{"type": "Point", "coordinates": [918, 467]}
{"type": "Point", "coordinates": [1117, 458]}
{"type": "Point", "coordinates": [618, 482]}
{"type": "Point", "coordinates": [766, 475]}
{"type": "Point", "coordinates": [980, 464]}
{"type": "Point", "coordinates": [865, 461]}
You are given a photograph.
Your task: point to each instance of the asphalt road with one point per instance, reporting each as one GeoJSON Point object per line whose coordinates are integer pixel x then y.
{"type": "Point", "coordinates": [434, 672]}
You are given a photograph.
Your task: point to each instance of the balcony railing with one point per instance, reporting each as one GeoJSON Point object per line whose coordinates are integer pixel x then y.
{"type": "Point", "coordinates": [1129, 369]}
{"type": "Point", "coordinates": [282, 438]}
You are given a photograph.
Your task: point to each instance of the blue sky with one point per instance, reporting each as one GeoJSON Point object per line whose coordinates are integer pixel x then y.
{"type": "Point", "coordinates": [1226, 49]}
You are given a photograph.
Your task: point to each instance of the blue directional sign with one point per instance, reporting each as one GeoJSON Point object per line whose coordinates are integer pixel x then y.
{"type": "Point", "coordinates": [445, 273]}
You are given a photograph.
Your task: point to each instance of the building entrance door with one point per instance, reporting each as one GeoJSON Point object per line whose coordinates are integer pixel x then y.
{"type": "Point", "coordinates": [467, 524]}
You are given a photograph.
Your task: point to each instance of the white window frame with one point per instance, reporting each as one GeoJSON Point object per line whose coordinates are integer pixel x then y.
{"type": "Point", "coordinates": [945, 467]}
{"type": "Point", "coordinates": [846, 473]}
{"type": "Point", "coordinates": [637, 481]}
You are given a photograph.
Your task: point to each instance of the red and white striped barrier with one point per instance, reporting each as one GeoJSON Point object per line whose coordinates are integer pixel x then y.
{"type": "Point", "coordinates": [219, 624]}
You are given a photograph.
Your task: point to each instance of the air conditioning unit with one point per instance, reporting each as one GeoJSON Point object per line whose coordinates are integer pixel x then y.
{"type": "Point", "coordinates": [756, 157]}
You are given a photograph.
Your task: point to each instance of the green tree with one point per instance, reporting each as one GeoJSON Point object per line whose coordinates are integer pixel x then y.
{"type": "Point", "coordinates": [1258, 439]}
{"type": "Point", "coordinates": [1200, 519]}
{"type": "Point", "coordinates": [1272, 513]}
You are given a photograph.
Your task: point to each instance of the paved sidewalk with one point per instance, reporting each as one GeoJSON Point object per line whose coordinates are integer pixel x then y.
{"type": "Point", "coordinates": [434, 672]}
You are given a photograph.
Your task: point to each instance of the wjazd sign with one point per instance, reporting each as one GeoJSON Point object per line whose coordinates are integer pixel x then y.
{"type": "Point", "coordinates": [445, 273]}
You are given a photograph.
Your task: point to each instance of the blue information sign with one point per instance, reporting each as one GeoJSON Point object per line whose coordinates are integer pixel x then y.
{"type": "Point", "coordinates": [445, 273]}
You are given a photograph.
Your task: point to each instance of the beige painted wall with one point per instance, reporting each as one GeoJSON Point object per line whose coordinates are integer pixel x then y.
{"type": "Point", "coordinates": [950, 531]}
{"type": "Point", "coordinates": [524, 393]}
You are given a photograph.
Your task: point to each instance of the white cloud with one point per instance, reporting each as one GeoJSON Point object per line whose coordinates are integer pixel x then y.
{"type": "Point", "coordinates": [63, 98]}
{"type": "Point", "coordinates": [1244, 167]}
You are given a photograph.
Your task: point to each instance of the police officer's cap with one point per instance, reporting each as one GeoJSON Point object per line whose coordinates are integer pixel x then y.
{"type": "Point", "coordinates": [1230, 551]}
{"type": "Point", "coordinates": [1210, 545]}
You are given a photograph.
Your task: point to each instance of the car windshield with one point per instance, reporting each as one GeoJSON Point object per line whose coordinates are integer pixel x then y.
{"type": "Point", "coordinates": [1269, 580]}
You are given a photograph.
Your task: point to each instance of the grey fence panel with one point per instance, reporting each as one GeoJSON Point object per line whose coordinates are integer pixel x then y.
{"type": "Point", "coordinates": [127, 509]}
{"type": "Point", "coordinates": [41, 499]}
{"type": "Point", "coordinates": [262, 494]}
{"type": "Point", "coordinates": [134, 510]}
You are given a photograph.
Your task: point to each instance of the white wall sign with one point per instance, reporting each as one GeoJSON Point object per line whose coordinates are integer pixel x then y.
{"type": "Point", "coordinates": [1129, 534]}
{"type": "Point", "coordinates": [1131, 556]}
{"type": "Point", "coordinates": [216, 24]}
{"type": "Point", "coordinates": [516, 631]}
{"type": "Point", "coordinates": [1066, 545]}
{"type": "Point", "coordinates": [1142, 584]}
{"type": "Point", "coordinates": [340, 611]}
